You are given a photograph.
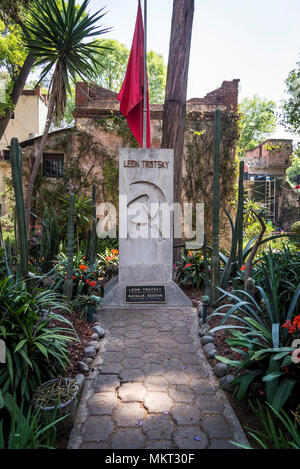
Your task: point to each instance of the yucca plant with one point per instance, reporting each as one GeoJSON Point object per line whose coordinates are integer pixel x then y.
{"type": "Point", "coordinates": [58, 42]}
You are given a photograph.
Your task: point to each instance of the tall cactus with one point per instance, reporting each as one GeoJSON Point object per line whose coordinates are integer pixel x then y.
{"type": "Point", "coordinates": [49, 238]}
{"type": "Point", "coordinates": [68, 286]}
{"type": "Point", "coordinates": [16, 169]}
{"type": "Point", "coordinates": [94, 234]}
{"type": "Point", "coordinates": [215, 260]}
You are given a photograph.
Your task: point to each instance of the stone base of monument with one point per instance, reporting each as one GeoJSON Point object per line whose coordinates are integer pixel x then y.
{"type": "Point", "coordinates": [121, 295]}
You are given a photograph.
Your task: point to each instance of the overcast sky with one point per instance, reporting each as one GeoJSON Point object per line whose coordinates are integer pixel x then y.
{"type": "Point", "coordinates": [257, 41]}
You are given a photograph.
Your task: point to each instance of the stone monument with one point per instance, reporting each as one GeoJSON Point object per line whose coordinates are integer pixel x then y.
{"type": "Point", "coordinates": [145, 232]}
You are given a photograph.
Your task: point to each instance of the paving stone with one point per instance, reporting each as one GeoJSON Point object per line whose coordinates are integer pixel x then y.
{"type": "Point", "coordinates": [190, 438]}
{"type": "Point", "coordinates": [128, 414]}
{"type": "Point", "coordinates": [112, 357]}
{"type": "Point", "coordinates": [132, 362]}
{"type": "Point", "coordinates": [132, 374]}
{"type": "Point", "coordinates": [182, 393]}
{"type": "Point", "coordinates": [97, 429]}
{"type": "Point", "coordinates": [151, 387]}
{"type": "Point", "coordinates": [129, 438]}
{"type": "Point", "coordinates": [102, 403]}
{"type": "Point", "coordinates": [106, 383]}
{"type": "Point", "coordinates": [131, 392]}
{"type": "Point", "coordinates": [152, 444]}
{"type": "Point", "coordinates": [222, 444]}
{"type": "Point", "coordinates": [158, 427]}
{"type": "Point", "coordinates": [111, 368]}
{"type": "Point", "coordinates": [203, 386]}
{"type": "Point", "coordinates": [132, 352]}
{"type": "Point", "coordinates": [157, 402]}
{"type": "Point", "coordinates": [209, 404]}
{"type": "Point", "coordinates": [156, 383]}
{"type": "Point", "coordinates": [154, 369]}
{"type": "Point", "coordinates": [177, 377]}
{"type": "Point", "coordinates": [217, 427]}
{"type": "Point", "coordinates": [152, 358]}
{"type": "Point", "coordinates": [186, 414]}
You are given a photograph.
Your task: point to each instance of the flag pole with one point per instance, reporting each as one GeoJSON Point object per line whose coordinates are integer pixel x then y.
{"type": "Point", "coordinates": [145, 78]}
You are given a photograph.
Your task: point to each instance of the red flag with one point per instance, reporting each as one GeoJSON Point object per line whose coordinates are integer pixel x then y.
{"type": "Point", "coordinates": [131, 96]}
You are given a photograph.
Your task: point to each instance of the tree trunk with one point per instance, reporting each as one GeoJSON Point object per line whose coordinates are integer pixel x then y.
{"type": "Point", "coordinates": [176, 87]}
{"type": "Point", "coordinates": [16, 92]}
{"type": "Point", "coordinates": [37, 160]}
{"type": "Point", "coordinates": [176, 90]}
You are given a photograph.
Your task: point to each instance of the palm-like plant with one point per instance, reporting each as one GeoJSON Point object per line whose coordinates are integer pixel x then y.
{"type": "Point", "coordinates": [58, 43]}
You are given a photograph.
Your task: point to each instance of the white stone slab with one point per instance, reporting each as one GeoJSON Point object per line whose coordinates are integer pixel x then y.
{"type": "Point", "coordinates": [145, 243]}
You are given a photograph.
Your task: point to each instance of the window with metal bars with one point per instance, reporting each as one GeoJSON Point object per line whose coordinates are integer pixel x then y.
{"type": "Point", "coordinates": [53, 165]}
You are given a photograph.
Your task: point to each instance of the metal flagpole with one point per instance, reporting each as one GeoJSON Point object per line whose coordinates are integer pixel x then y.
{"type": "Point", "coordinates": [145, 78]}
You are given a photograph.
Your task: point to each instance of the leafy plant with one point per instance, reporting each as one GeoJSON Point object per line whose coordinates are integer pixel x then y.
{"type": "Point", "coordinates": [279, 430]}
{"type": "Point", "coordinates": [27, 430]}
{"type": "Point", "coordinates": [263, 345]}
{"type": "Point", "coordinates": [108, 263]}
{"type": "Point", "coordinates": [35, 347]}
{"type": "Point", "coordinates": [191, 271]}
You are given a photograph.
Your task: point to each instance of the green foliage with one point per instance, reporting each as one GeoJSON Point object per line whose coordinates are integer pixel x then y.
{"type": "Point", "coordinates": [12, 52]}
{"type": "Point", "coordinates": [258, 337]}
{"type": "Point", "coordinates": [82, 217]}
{"type": "Point", "coordinates": [114, 58]}
{"type": "Point", "coordinates": [83, 276]}
{"type": "Point", "coordinates": [279, 430]}
{"type": "Point", "coordinates": [291, 108]}
{"type": "Point", "coordinates": [293, 172]}
{"type": "Point", "coordinates": [283, 268]}
{"type": "Point", "coordinates": [49, 239]}
{"type": "Point", "coordinates": [35, 349]}
{"type": "Point", "coordinates": [27, 430]}
{"type": "Point", "coordinates": [191, 270]}
{"type": "Point", "coordinates": [257, 121]}
{"type": "Point", "coordinates": [108, 263]}
{"type": "Point", "coordinates": [59, 41]}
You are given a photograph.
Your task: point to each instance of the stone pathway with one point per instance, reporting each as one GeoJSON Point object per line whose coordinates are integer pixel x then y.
{"type": "Point", "coordinates": [152, 387]}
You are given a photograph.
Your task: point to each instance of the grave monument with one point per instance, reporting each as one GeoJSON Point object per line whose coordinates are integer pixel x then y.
{"type": "Point", "coordinates": [145, 232]}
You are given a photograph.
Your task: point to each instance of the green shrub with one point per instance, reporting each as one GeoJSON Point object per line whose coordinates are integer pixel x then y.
{"type": "Point", "coordinates": [35, 348]}
{"type": "Point", "coordinates": [257, 335]}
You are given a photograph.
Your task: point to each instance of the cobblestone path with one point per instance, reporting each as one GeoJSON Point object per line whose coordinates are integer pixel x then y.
{"type": "Point", "coordinates": [151, 387]}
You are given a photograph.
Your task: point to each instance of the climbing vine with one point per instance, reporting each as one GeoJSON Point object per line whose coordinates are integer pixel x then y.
{"type": "Point", "coordinates": [199, 144]}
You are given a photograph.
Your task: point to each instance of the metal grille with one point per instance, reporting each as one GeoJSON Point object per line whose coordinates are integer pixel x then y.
{"type": "Point", "coordinates": [53, 165]}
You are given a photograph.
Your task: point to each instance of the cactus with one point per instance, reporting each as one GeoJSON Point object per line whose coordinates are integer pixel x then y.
{"type": "Point", "coordinates": [68, 286]}
{"type": "Point", "coordinates": [249, 284]}
{"type": "Point", "coordinates": [206, 281]}
{"type": "Point", "coordinates": [94, 235]}
{"type": "Point", "coordinates": [215, 260]}
{"type": "Point", "coordinates": [237, 232]}
{"type": "Point", "coordinates": [16, 169]}
{"type": "Point", "coordinates": [49, 238]}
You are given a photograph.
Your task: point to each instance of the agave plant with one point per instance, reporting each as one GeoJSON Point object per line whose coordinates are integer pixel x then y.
{"type": "Point", "coordinates": [261, 342]}
{"type": "Point", "coordinates": [58, 42]}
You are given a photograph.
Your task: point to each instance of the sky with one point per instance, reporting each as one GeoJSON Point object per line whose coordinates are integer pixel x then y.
{"type": "Point", "coordinates": [257, 41]}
